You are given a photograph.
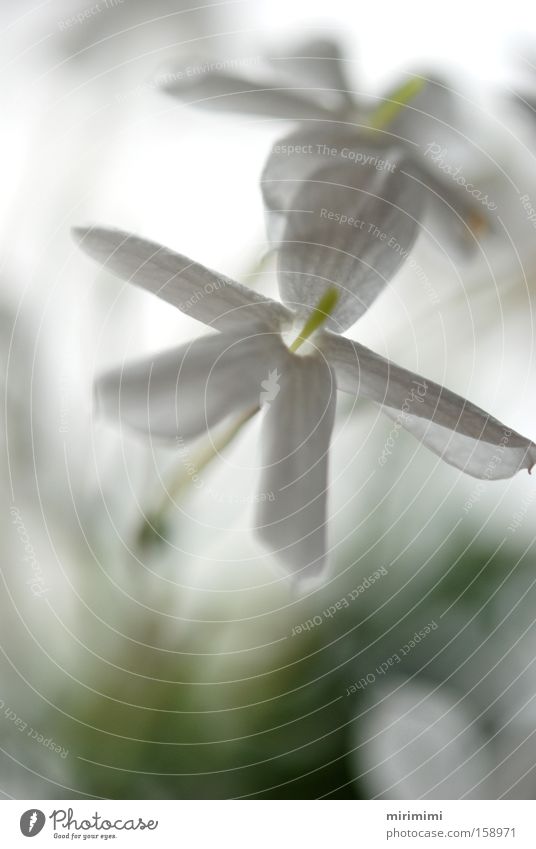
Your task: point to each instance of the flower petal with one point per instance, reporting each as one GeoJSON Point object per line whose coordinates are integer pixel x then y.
{"type": "Point", "coordinates": [453, 213]}
{"type": "Point", "coordinates": [296, 435]}
{"type": "Point", "coordinates": [199, 292]}
{"type": "Point", "coordinates": [350, 229]}
{"type": "Point", "coordinates": [457, 431]}
{"type": "Point", "coordinates": [455, 220]}
{"type": "Point", "coordinates": [433, 114]}
{"type": "Point", "coordinates": [181, 393]}
{"type": "Point", "coordinates": [214, 87]}
{"type": "Point", "coordinates": [440, 120]}
{"type": "Point", "coordinates": [318, 62]}
{"type": "Point", "coordinates": [300, 154]}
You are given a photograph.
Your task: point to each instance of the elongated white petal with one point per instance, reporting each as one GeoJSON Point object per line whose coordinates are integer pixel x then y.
{"type": "Point", "coordinates": [199, 292]}
{"type": "Point", "coordinates": [295, 443]}
{"type": "Point", "coordinates": [318, 62]}
{"type": "Point", "coordinates": [453, 213]}
{"type": "Point", "coordinates": [350, 229]}
{"type": "Point", "coordinates": [214, 87]}
{"type": "Point", "coordinates": [181, 393]}
{"type": "Point", "coordinates": [459, 432]}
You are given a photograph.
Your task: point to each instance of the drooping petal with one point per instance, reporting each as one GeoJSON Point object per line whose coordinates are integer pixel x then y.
{"type": "Point", "coordinates": [350, 229]}
{"type": "Point", "coordinates": [299, 155]}
{"type": "Point", "coordinates": [181, 393]}
{"type": "Point", "coordinates": [229, 86]}
{"type": "Point", "coordinates": [452, 213]}
{"type": "Point", "coordinates": [318, 62]}
{"type": "Point", "coordinates": [196, 290]}
{"type": "Point", "coordinates": [295, 443]}
{"type": "Point", "coordinates": [459, 432]}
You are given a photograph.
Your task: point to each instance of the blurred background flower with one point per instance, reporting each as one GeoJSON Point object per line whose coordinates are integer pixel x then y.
{"type": "Point", "coordinates": [177, 661]}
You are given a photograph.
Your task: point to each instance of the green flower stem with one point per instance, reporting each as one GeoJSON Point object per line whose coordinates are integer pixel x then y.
{"type": "Point", "coordinates": [209, 451]}
{"type": "Point", "coordinates": [154, 526]}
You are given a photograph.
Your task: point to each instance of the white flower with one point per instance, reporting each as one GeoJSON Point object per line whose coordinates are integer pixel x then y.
{"type": "Point", "coordinates": [310, 86]}
{"type": "Point", "coordinates": [306, 82]}
{"type": "Point", "coordinates": [453, 218]}
{"type": "Point", "coordinates": [329, 274]}
{"type": "Point", "coordinates": [417, 741]}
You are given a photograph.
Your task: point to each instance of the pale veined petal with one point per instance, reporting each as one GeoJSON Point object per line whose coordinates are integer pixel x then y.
{"type": "Point", "coordinates": [459, 432]}
{"type": "Point", "coordinates": [181, 393]}
{"type": "Point", "coordinates": [199, 292]}
{"type": "Point", "coordinates": [453, 216]}
{"type": "Point", "coordinates": [231, 87]}
{"type": "Point", "coordinates": [299, 155]}
{"type": "Point", "coordinates": [350, 229]}
{"type": "Point", "coordinates": [295, 443]}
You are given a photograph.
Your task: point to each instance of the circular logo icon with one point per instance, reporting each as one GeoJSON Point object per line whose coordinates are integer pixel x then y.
{"type": "Point", "coordinates": [31, 822]}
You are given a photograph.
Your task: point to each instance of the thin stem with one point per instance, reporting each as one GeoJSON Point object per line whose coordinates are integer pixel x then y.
{"type": "Point", "coordinates": [207, 453]}
{"type": "Point", "coordinates": [153, 527]}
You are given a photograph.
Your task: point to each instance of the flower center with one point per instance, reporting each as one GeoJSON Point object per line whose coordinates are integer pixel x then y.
{"type": "Point", "coordinates": [319, 315]}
